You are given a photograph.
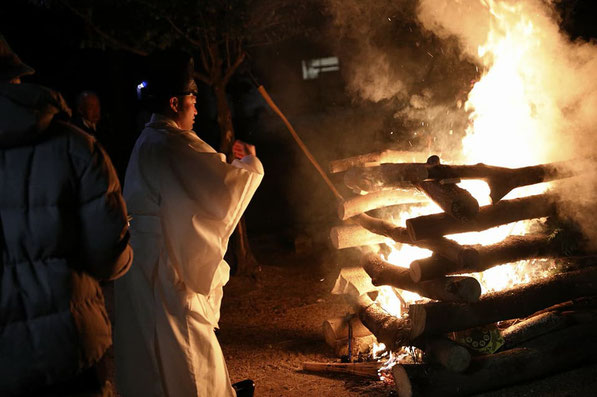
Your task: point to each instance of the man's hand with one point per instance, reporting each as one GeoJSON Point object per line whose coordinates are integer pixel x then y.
{"type": "Point", "coordinates": [241, 149]}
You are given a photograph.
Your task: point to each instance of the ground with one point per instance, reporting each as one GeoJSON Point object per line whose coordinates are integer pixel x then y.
{"type": "Point", "coordinates": [272, 324]}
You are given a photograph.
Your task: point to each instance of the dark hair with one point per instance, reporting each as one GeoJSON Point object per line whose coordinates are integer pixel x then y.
{"type": "Point", "coordinates": [168, 73]}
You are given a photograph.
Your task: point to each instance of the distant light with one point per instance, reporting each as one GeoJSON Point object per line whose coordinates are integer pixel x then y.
{"type": "Point", "coordinates": [313, 67]}
{"type": "Point", "coordinates": [389, 19]}
{"type": "Point", "coordinates": [142, 85]}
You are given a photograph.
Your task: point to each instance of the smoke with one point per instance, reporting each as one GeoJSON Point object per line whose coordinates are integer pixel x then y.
{"type": "Point", "coordinates": [429, 57]}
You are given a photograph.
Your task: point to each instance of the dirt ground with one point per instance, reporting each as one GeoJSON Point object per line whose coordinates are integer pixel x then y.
{"type": "Point", "coordinates": [271, 325]}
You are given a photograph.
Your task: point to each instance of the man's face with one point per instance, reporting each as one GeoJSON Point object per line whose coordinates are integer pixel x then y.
{"type": "Point", "coordinates": [186, 111]}
{"type": "Point", "coordinates": [90, 109]}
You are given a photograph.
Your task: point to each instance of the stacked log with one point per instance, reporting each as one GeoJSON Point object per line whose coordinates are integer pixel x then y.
{"type": "Point", "coordinates": [543, 318]}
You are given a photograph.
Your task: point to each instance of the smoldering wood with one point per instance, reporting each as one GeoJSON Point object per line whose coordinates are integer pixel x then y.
{"type": "Point", "coordinates": [374, 159]}
{"type": "Point", "coordinates": [467, 256]}
{"type": "Point", "coordinates": [385, 176]}
{"type": "Point", "coordinates": [449, 289]}
{"type": "Point", "coordinates": [441, 224]}
{"type": "Point", "coordinates": [453, 199]}
{"type": "Point", "coordinates": [511, 249]}
{"type": "Point", "coordinates": [447, 353]}
{"type": "Point", "coordinates": [550, 353]}
{"type": "Point", "coordinates": [436, 318]}
{"type": "Point", "coordinates": [361, 204]}
{"type": "Point", "coordinates": [367, 369]}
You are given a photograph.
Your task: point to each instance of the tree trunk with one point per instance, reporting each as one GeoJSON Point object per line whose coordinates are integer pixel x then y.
{"type": "Point", "coordinates": [246, 264]}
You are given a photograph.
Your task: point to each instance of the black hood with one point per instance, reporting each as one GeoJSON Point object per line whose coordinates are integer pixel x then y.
{"type": "Point", "coordinates": [26, 111]}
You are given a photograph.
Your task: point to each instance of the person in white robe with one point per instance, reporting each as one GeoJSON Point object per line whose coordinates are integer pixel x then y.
{"type": "Point", "coordinates": [184, 201]}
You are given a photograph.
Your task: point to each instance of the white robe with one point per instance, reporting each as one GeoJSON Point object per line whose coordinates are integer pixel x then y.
{"type": "Point", "coordinates": [185, 201]}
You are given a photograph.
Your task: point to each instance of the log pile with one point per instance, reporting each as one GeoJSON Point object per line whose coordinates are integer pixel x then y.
{"type": "Point", "coordinates": [527, 331]}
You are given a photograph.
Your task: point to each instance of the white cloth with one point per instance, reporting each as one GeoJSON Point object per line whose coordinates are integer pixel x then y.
{"type": "Point", "coordinates": [185, 201]}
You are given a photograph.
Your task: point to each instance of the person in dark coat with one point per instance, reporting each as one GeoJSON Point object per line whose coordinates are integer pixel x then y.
{"type": "Point", "coordinates": [63, 229]}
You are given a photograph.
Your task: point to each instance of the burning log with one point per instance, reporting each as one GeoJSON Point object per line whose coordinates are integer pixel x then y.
{"type": "Point", "coordinates": [360, 204]}
{"type": "Point", "coordinates": [374, 159]}
{"type": "Point", "coordinates": [368, 369]}
{"type": "Point", "coordinates": [437, 318]}
{"type": "Point", "coordinates": [385, 176]}
{"type": "Point", "coordinates": [553, 352]}
{"type": "Point", "coordinates": [454, 200]}
{"type": "Point", "coordinates": [511, 249]}
{"type": "Point", "coordinates": [466, 256]}
{"type": "Point", "coordinates": [435, 225]}
{"type": "Point", "coordinates": [451, 289]}
{"type": "Point", "coordinates": [392, 331]}
{"type": "Point", "coordinates": [502, 180]}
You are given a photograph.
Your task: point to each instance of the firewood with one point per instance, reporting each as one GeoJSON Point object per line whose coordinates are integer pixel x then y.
{"type": "Point", "coordinates": [353, 281]}
{"type": "Point", "coordinates": [436, 318]}
{"type": "Point", "coordinates": [360, 204]}
{"type": "Point", "coordinates": [454, 200]}
{"type": "Point", "coordinates": [553, 352]}
{"type": "Point", "coordinates": [447, 353]}
{"type": "Point", "coordinates": [367, 369]}
{"type": "Point", "coordinates": [502, 180]}
{"type": "Point", "coordinates": [451, 289]}
{"type": "Point", "coordinates": [392, 331]}
{"type": "Point", "coordinates": [385, 176]}
{"type": "Point", "coordinates": [466, 256]}
{"type": "Point", "coordinates": [347, 236]}
{"type": "Point", "coordinates": [374, 159]}
{"type": "Point", "coordinates": [511, 249]}
{"type": "Point", "coordinates": [441, 224]}
{"type": "Point", "coordinates": [532, 327]}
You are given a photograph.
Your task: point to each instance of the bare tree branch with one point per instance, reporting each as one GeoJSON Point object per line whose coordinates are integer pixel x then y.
{"type": "Point", "coordinates": [114, 42]}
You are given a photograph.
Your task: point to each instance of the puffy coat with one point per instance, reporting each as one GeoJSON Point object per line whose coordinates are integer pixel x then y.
{"type": "Point", "coordinates": [63, 227]}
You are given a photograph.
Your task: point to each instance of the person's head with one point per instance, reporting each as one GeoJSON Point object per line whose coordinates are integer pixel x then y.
{"type": "Point", "coordinates": [88, 106]}
{"type": "Point", "coordinates": [169, 87]}
{"type": "Point", "coordinates": [11, 66]}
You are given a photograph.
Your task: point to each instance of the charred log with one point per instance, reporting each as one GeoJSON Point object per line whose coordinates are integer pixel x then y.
{"type": "Point", "coordinates": [385, 176]}
{"type": "Point", "coordinates": [449, 289]}
{"type": "Point", "coordinates": [454, 200]}
{"type": "Point", "coordinates": [436, 225]}
{"type": "Point", "coordinates": [511, 249]}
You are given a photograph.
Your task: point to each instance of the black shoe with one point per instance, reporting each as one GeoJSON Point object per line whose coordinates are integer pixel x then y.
{"type": "Point", "coordinates": [244, 388]}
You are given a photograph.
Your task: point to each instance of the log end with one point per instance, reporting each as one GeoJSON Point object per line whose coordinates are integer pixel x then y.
{"type": "Point", "coordinates": [466, 288]}
{"type": "Point", "coordinates": [402, 383]}
{"type": "Point", "coordinates": [458, 359]}
{"type": "Point", "coordinates": [415, 271]}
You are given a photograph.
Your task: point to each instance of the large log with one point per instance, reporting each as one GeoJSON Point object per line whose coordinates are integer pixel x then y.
{"type": "Point", "coordinates": [437, 318]}
{"type": "Point", "coordinates": [385, 176]}
{"type": "Point", "coordinates": [384, 198]}
{"type": "Point", "coordinates": [347, 236]}
{"type": "Point", "coordinates": [533, 327]}
{"type": "Point", "coordinates": [441, 224]}
{"type": "Point", "coordinates": [375, 159]}
{"type": "Point", "coordinates": [450, 289]}
{"type": "Point", "coordinates": [466, 256]}
{"type": "Point", "coordinates": [454, 200]}
{"type": "Point", "coordinates": [502, 180]}
{"type": "Point", "coordinates": [447, 353]}
{"type": "Point", "coordinates": [511, 249]}
{"type": "Point", "coordinates": [550, 353]}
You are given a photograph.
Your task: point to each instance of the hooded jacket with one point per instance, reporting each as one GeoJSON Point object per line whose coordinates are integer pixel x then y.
{"type": "Point", "coordinates": [63, 227]}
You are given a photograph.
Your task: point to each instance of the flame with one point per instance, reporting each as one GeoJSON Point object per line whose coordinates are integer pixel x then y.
{"type": "Point", "coordinates": [509, 126]}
